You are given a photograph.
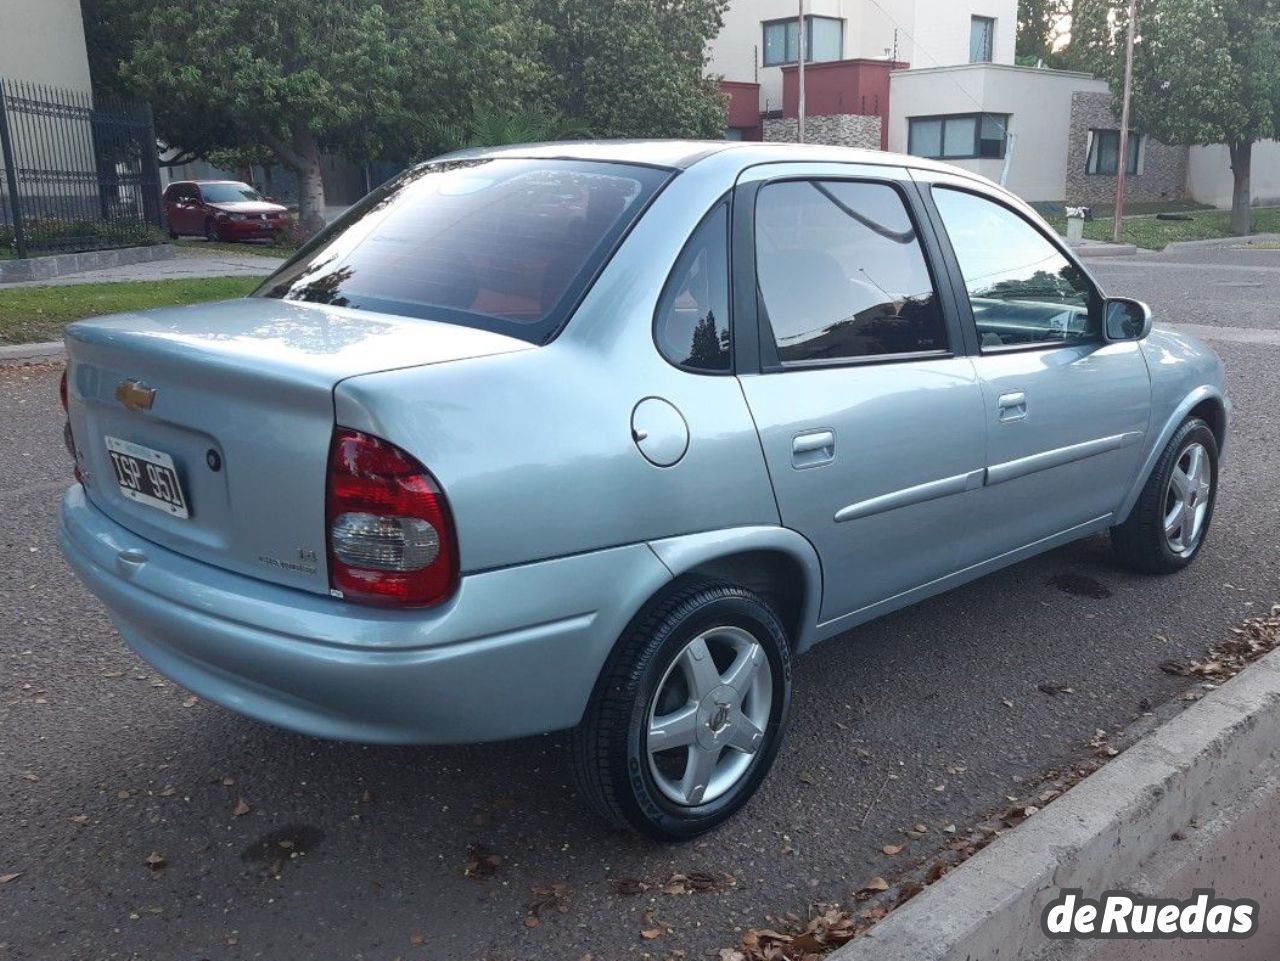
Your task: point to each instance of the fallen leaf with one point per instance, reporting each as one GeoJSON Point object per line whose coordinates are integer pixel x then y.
{"type": "Point", "coordinates": [650, 933]}
{"type": "Point", "coordinates": [891, 849]}
{"type": "Point", "coordinates": [908, 891]}
{"type": "Point", "coordinates": [155, 861]}
{"type": "Point", "coordinates": [808, 778]}
{"type": "Point", "coordinates": [169, 791]}
{"type": "Point", "coordinates": [532, 921]}
{"type": "Point", "coordinates": [31, 776]}
{"type": "Point", "coordinates": [241, 809]}
{"type": "Point", "coordinates": [949, 829]}
{"type": "Point", "coordinates": [936, 871]}
{"type": "Point", "coordinates": [228, 781]}
{"type": "Point", "coordinates": [875, 913]}
{"type": "Point", "coordinates": [80, 819]}
{"type": "Point", "coordinates": [9, 878]}
{"type": "Point", "coordinates": [481, 862]}
{"type": "Point", "coordinates": [190, 701]}
{"type": "Point", "coordinates": [1006, 702]}
{"type": "Point", "coordinates": [875, 885]}
{"type": "Point", "coordinates": [416, 939]}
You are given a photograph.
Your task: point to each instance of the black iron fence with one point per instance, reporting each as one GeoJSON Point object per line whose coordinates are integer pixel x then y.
{"type": "Point", "coordinates": [75, 175]}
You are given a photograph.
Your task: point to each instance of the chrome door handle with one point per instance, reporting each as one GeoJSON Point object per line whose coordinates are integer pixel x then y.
{"type": "Point", "coordinates": [813, 448]}
{"type": "Point", "coordinates": [1012, 406]}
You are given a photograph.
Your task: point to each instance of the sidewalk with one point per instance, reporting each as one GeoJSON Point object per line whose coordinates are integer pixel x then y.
{"type": "Point", "coordinates": [190, 262]}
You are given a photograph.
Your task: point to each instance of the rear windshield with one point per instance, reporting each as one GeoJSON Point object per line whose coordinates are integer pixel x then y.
{"type": "Point", "coordinates": [228, 193]}
{"type": "Point", "coordinates": [502, 244]}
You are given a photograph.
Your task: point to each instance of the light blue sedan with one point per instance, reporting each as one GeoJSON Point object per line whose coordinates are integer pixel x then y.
{"type": "Point", "coordinates": [600, 436]}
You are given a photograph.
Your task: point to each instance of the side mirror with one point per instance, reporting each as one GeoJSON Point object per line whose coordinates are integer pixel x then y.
{"type": "Point", "coordinates": [1125, 319]}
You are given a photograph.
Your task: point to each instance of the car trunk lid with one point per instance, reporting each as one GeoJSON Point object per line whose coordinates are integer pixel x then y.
{"type": "Point", "coordinates": [239, 396]}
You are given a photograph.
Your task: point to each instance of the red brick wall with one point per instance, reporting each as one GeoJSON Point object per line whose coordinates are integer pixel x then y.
{"type": "Point", "coordinates": [842, 86]}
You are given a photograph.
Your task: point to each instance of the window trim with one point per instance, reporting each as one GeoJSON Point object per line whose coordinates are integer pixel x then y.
{"type": "Point", "coordinates": [977, 134]}
{"type": "Point", "coordinates": [808, 40]}
{"type": "Point", "coordinates": [961, 291]}
{"type": "Point", "coordinates": [991, 38]}
{"type": "Point", "coordinates": [1090, 154]}
{"type": "Point", "coordinates": [664, 298]}
{"type": "Point", "coordinates": [907, 192]}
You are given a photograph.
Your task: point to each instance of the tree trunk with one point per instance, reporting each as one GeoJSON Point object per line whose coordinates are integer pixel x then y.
{"type": "Point", "coordinates": [1241, 209]}
{"type": "Point", "coordinates": [301, 154]}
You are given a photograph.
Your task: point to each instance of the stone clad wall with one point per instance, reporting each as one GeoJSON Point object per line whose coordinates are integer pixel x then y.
{"type": "Point", "coordinates": [837, 129]}
{"type": "Point", "coordinates": [1162, 168]}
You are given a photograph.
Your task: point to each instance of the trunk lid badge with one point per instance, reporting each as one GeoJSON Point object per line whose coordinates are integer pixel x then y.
{"type": "Point", "coordinates": [135, 395]}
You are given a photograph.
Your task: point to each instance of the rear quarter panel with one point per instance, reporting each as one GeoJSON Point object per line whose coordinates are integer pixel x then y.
{"type": "Point", "coordinates": [534, 450]}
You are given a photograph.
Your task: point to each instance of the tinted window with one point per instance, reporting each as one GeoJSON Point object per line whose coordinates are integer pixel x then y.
{"type": "Point", "coordinates": [228, 193]}
{"type": "Point", "coordinates": [842, 274]}
{"type": "Point", "coordinates": [502, 244]}
{"type": "Point", "coordinates": [1023, 290]}
{"type": "Point", "coordinates": [692, 327]}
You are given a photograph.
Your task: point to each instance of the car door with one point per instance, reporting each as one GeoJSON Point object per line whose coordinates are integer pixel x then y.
{"type": "Point", "coordinates": [180, 212]}
{"type": "Point", "coordinates": [869, 414]}
{"type": "Point", "coordinates": [1065, 412]}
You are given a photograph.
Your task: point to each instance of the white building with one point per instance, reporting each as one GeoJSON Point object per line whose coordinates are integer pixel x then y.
{"type": "Point", "coordinates": [760, 37]}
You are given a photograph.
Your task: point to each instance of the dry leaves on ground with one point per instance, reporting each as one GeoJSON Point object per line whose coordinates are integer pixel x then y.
{"type": "Point", "coordinates": [9, 878]}
{"type": "Point", "coordinates": [827, 928]}
{"type": "Point", "coordinates": [155, 861]}
{"type": "Point", "coordinates": [694, 882]}
{"type": "Point", "coordinates": [545, 900]}
{"type": "Point", "coordinates": [241, 809]}
{"type": "Point", "coordinates": [481, 862]}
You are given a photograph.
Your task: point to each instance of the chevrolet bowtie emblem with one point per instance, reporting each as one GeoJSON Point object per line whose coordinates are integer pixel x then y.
{"type": "Point", "coordinates": [135, 395]}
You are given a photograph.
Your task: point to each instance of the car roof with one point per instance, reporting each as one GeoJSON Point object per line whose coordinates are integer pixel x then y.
{"type": "Point", "coordinates": [681, 154]}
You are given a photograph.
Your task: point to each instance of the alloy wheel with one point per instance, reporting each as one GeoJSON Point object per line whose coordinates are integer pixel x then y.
{"type": "Point", "coordinates": [1187, 499]}
{"type": "Point", "coordinates": [709, 715]}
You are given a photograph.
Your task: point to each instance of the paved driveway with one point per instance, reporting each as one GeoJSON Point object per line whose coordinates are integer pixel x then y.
{"type": "Point", "coordinates": [933, 715]}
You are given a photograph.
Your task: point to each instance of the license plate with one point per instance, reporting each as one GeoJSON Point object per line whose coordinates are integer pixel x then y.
{"type": "Point", "coordinates": [147, 476]}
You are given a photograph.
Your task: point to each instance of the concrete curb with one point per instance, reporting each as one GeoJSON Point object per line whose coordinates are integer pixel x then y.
{"type": "Point", "coordinates": [1105, 250]}
{"type": "Point", "coordinates": [19, 355]}
{"type": "Point", "coordinates": [1095, 837]}
{"type": "Point", "coordinates": [48, 268]}
{"type": "Point", "coordinates": [1223, 242]}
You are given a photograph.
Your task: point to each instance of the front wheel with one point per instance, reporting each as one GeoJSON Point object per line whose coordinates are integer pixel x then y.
{"type": "Point", "coordinates": [211, 230]}
{"type": "Point", "coordinates": [688, 715]}
{"type": "Point", "coordinates": [1167, 526]}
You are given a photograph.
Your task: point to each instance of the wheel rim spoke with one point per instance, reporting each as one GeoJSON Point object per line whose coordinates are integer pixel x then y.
{"type": "Point", "coordinates": [743, 734]}
{"type": "Point", "coordinates": [742, 672]}
{"type": "Point", "coordinates": [698, 772]}
{"type": "Point", "coordinates": [699, 669]}
{"type": "Point", "coordinates": [677, 729]}
{"type": "Point", "coordinates": [1182, 484]}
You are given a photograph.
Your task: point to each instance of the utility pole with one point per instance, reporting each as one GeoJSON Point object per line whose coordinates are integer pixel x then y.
{"type": "Point", "coordinates": [1122, 163]}
{"type": "Point", "coordinates": [800, 77]}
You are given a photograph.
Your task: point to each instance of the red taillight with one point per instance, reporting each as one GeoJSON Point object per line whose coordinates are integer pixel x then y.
{"type": "Point", "coordinates": [67, 439]}
{"type": "Point", "coordinates": [390, 534]}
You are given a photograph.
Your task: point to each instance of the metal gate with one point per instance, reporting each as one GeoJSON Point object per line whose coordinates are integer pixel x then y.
{"type": "Point", "coordinates": [75, 176]}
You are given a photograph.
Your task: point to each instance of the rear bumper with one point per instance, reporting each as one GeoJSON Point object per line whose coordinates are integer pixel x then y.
{"type": "Point", "coordinates": [515, 652]}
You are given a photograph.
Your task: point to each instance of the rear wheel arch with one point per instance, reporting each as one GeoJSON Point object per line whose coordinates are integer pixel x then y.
{"type": "Point", "coordinates": [776, 563]}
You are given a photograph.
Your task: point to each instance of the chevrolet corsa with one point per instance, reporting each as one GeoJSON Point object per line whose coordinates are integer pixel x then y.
{"type": "Point", "coordinates": [600, 436]}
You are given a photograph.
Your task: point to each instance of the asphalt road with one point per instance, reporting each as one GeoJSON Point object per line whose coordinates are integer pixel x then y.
{"type": "Point", "coordinates": [933, 715]}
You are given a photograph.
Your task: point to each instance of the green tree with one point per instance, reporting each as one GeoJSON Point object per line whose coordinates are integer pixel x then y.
{"type": "Point", "coordinates": [363, 78]}
{"type": "Point", "coordinates": [1205, 72]}
{"type": "Point", "coordinates": [1040, 26]}
{"type": "Point", "coordinates": [633, 68]}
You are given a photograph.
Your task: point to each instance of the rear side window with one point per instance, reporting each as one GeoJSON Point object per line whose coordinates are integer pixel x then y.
{"type": "Point", "coordinates": [841, 272]}
{"type": "Point", "coordinates": [692, 324]}
{"type": "Point", "coordinates": [502, 244]}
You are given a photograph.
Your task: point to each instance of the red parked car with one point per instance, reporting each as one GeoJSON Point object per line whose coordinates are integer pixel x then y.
{"type": "Point", "coordinates": [221, 210]}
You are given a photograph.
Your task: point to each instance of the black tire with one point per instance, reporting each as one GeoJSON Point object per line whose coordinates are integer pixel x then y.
{"type": "Point", "coordinates": [211, 230]}
{"type": "Point", "coordinates": [1141, 541]}
{"type": "Point", "coordinates": [611, 763]}
{"type": "Point", "coordinates": [173, 234]}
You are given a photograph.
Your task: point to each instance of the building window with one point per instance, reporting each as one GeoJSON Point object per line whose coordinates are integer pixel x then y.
{"type": "Point", "coordinates": [982, 36]}
{"type": "Point", "coordinates": [962, 136]}
{"type": "Point", "coordinates": [824, 40]}
{"type": "Point", "coordinates": [1104, 152]}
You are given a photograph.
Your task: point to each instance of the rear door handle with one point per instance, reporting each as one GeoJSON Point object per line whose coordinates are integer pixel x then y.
{"type": "Point", "coordinates": [1012, 406]}
{"type": "Point", "coordinates": [813, 449]}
